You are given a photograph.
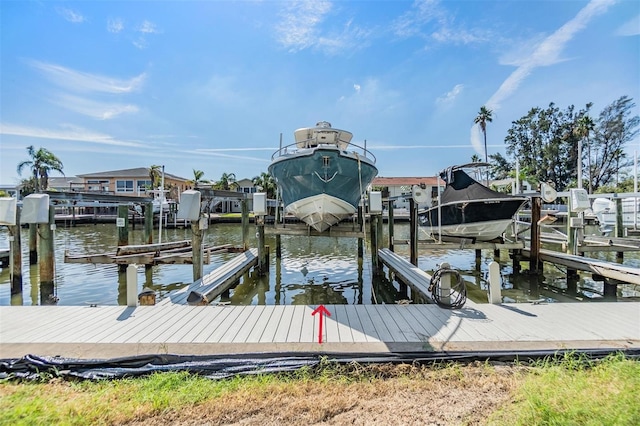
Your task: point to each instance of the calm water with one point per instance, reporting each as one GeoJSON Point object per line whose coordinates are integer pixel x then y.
{"type": "Point", "coordinates": [311, 271]}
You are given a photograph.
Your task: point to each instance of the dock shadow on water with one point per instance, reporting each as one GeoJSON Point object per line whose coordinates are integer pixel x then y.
{"type": "Point", "coordinates": [311, 271]}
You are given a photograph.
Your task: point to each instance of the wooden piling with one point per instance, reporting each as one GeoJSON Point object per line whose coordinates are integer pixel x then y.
{"type": "Point", "coordinates": [196, 247]}
{"type": "Point", "coordinates": [148, 223]}
{"type": "Point", "coordinates": [619, 228]}
{"type": "Point", "coordinates": [413, 232]}
{"type": "Point", "coordinates": [245, 224]}
{"type": "Point", "coordinates": [15, 242]}
{"type": "Point", "coordinates": [390, 224]}
{"type": "Point", "coordinates": [360, 227]}
{"type": "Point", "coordinates": [374, 238]}
{"type": "Point", "coordinates": [122, 223]}
{"type": "Point", "coordinates": [534, 259]}
{"type": "Point", "coordinates": [262, 249]}
{"type": "Point", "coordinates": [278, 237]}
{"type": "Point", "coordinates": [33, 243]}
{"type": "Point", "coordinates": [46, 262]}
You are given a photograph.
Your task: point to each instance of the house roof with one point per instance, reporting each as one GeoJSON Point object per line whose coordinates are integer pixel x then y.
{"type": "Point", "coordinates": [139, 172]}
{"type": "Point", "coordinates": [401, 181]}
{"type": "Point", "coordinates": [63, 182]}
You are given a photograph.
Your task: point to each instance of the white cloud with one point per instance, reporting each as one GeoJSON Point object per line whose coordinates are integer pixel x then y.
{"type": "Point", "coordinates": [70, 15]}
{"type": "Point", "coordinates": [148, 27]}
{"type": "Point", "coordinates": [85, 82]}
{"type": "Point", "coordinates": [303, 27]}
{"type": "Point", "coordinates": [115, 25]}
{"type": "Point", "coordinates": [429, 20]}
{"type": "Point", "coordinates": [630, 28]}
{"type": "Point", "coordinates": [67, 133]}
{"type": "Point", "coordinates": [357, 88]}
{"type": "Point", "coordinates": [92, 108]}
{"type": "Point", "coordinates": [449, 97]}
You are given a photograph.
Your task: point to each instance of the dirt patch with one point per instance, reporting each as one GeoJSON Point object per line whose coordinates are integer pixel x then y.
{"type": "Point", "coordinates": [401, 395]}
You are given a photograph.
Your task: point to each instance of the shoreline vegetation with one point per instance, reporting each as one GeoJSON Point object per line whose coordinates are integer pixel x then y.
{"type": "Point", "coordinates": [565, 389]}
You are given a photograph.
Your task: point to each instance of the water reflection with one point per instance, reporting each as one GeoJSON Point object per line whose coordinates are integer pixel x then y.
{"type": "Point", "coordinates": [311, 271]}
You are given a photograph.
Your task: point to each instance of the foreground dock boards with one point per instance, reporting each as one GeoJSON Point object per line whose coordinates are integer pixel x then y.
{"type": "Point", "coordinates": [115, 331]}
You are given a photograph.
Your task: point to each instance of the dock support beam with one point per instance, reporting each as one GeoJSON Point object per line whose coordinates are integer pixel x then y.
{"type": "Point", "coordinates": [413, 232]}
{"type": "Point", "coordinates": [390, 224]}
{"type": "Point", "coordinates": [263, 262]}
{"type": "Point", "coordinates": [361, 228]}
{"type": "Point", "coordinates": [47, 259]}
{"type": "Point", "coordinates": [245, 224]}
{"type": "Point", "coordinates": [534, 260]}
{"type": "Point", "coordinates": [33, 244]}
{"type": "Point", "coordinates": [15, 260]}
{"type": "Point", "coordinates": [122, 223]}
{"type": "Point", "coordinates": [196, 248]}
{"type": "Point", "coordinates": [619, 228]}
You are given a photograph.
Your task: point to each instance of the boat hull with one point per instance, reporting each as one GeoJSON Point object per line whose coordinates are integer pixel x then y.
{"type": "Point", "coordinates": [480, 220]}
{"type": "Point", "coordinates": [323, 185]}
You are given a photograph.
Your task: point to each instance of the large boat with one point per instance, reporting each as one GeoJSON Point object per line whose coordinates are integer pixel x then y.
{"type": "Point", "coordinates": [320, 177]}
{"type": "Point", "coordinates": [469, 210]}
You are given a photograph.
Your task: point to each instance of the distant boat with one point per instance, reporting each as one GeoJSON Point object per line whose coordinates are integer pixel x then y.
{"type": "Point", "coordinates": [320, 180]}
{"type": "Point", "coordinates": [604, 209]}
{"type": "Point", "coordinates": [469, 209]}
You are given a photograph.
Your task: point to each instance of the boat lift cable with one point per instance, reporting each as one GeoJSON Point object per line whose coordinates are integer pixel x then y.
{"type": "Point", "coordinates": [452, 298]}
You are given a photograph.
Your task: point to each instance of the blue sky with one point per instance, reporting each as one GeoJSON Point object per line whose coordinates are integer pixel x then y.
{"type": "Point", "coordinates": [211, 85]}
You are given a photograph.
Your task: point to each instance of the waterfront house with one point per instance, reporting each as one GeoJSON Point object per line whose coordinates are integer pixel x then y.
{"type": "Point", "coordinates": [129, 182]}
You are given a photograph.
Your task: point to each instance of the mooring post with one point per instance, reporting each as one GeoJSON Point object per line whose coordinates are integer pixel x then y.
{"type": "Point", "coordinates": [413, 232]}
{"type": "Point", "coordinates": [390, 225]}
{"type": "Point", "coordinates": [478, 258]}
{"type": "Point", "coordinates": [196, 247]}
{"type": "Point", "coordinates": [132, 285]}
{"type": "Point", "coordinates": [619, 228]}
{"type": "Point", "coordinates": [534, 260]}
{"type": "Point", "coordinates": [610, 289]}
{"type": "Point", "coordinates": [245, 224]}
{"type": "Point", "coordinates": [16, 255]}
{"type": "Point", "coordinates": [148, 227]}
{"type": "Point", "coordinates": [278, 237]}
{"type": "Point", "coordinates": [262, 250]}
{"type": "Point", "coordinates": [122, 223]}
{"type": "Point", "coordinates": [495, 284]}
{"type": "Point", "coordinates": [360, 228]}
{"type": "Point", "coordinates": [516, 255]}
{"type": "Point", "coordinates": [373, 229]}
{"type": "Point", "coordinates": [47, 260]}
{"type": "Point", "coordinates": [33, 243]}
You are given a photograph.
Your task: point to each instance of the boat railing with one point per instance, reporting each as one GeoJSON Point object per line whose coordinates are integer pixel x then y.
{"type": "Point", "coordinates": [294, 148]}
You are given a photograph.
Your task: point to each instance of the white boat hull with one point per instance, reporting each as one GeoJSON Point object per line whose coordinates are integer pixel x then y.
{"type": "Point", "coordinates": [321, 211]}
{"type": "Point", "coordinates": [480, 231]}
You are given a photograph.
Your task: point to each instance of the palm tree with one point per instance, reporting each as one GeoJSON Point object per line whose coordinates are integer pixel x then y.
{"type": "Point", "coordinates": [475, 158]}
{"type": "Point", "coordinates": [484, 117]}
{"type": "Point", "coordinates": [584, 127]}
{"type": "Point", "coordinates": [197, 179]}
{"type": "Point", "coordinates": [41, 163]}
{"type": "Point", "coordinates": [267, 184]}
{"type": "Point", "coordinates": [226, 182]}
{"type": "Point", "coordinates": [155, 174]}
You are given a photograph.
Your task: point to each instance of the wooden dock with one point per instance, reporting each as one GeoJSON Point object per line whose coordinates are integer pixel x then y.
{"type": "Point", "coordinates": [408, 274]}
{"type": "Point", "coordinates": [116, 331]}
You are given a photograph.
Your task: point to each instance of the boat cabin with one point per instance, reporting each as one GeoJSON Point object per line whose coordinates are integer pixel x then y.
{"type": "Point", "coordinates": [322, 134]}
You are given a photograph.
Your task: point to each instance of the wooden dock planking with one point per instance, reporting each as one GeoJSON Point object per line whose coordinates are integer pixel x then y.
{"type": "Point", "coordinates": [417, 327]}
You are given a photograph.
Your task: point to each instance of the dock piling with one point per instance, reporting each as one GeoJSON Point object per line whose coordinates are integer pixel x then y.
{"type": "Point", "coordinates": [495, 285]}
{"type": "Point", "coordinates": [132, 285]}
{"type": "Point", "coordinates": [15, 255]}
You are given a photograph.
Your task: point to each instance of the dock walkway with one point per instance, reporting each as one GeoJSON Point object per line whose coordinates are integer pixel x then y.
{"type": "Point", "coordinates": [115, 331]}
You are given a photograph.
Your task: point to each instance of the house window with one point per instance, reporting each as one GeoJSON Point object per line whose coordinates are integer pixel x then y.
{"type": "Point", "coordinates": [124, 186]}
{"type": "Point", "coordinates": [143, 186]}
{"type": "Point", "coordinates": [97, 185]}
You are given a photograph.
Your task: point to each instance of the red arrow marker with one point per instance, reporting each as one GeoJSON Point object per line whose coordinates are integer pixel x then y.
{"type": "Point", "coordinates": [323, 311]}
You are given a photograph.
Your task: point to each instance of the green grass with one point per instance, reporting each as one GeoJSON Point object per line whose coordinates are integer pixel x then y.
{"type": "Point", "coordinates": [567, 390]}
{"type": "Point", "coordinates": [572, 390]}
